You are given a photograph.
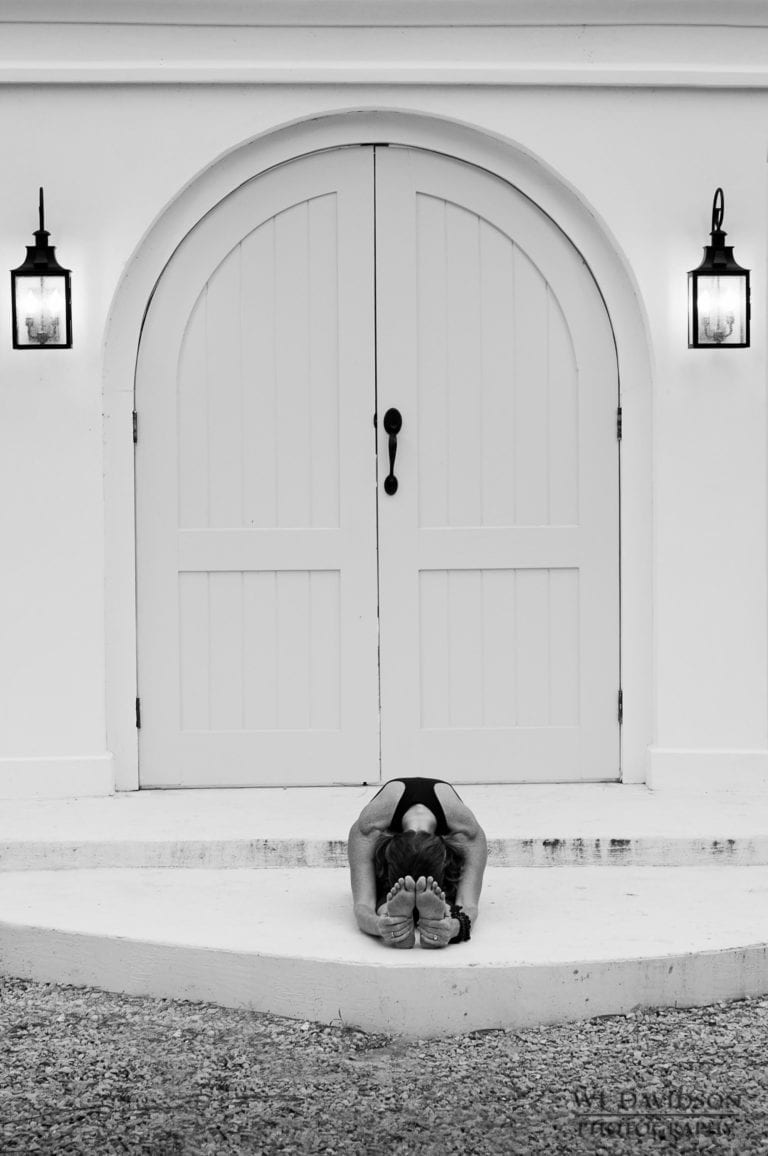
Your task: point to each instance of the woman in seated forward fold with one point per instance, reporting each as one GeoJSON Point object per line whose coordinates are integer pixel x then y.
{"type": "Point", "coordinates": [417, 856]}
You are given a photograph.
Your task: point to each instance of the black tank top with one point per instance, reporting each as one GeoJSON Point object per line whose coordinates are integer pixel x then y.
{"type": "Point", "coordinates": [418, 791]}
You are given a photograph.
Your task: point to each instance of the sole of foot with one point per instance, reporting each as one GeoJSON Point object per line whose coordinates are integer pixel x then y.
{"type": "Point", "coordinates": [431, 905]}
{"type": "Point", "coordinates": [430, 899]}
{"type": "Point", "coordinates": [401, 902]}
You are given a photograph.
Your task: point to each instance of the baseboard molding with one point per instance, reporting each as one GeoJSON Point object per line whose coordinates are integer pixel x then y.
{"type": "Point", "coordinates": [708, 771]}
{"type": "Point", "coordinates": [668, 769]}
{"type": "Point", "coordinates": [57, 778]}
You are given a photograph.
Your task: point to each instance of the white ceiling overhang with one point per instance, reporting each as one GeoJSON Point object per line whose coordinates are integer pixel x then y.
{"type": "Point", "coordinates": [666, 43]}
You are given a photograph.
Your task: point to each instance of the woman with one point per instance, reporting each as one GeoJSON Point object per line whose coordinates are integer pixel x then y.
{"type": "Point", "coordinates": [417, 856]}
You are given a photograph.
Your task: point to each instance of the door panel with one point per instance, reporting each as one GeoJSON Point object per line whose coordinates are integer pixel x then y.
{"type": "Point", "coordinates": [256, 508]}
{"type": "Point", "coordinates": [499, 648]}
{"type": "Point", "coordinates": [499, 552]}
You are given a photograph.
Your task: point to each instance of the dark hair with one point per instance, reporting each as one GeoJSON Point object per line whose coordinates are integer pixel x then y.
{"type": "Point", "coordinates": [417, 853]}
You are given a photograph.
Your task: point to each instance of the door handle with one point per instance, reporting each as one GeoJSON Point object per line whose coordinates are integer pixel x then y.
{"type": "Point", "coordinates": [393, 423]}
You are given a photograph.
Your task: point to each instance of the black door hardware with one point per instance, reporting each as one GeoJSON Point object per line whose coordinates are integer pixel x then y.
{"type": "Point", "coordinates": [393, 422]}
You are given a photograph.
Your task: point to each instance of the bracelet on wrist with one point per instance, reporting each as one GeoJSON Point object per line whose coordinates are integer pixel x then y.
{"type": "Point", "coordinates": [465, 924]}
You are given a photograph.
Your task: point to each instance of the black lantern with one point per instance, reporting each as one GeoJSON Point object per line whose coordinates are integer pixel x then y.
{"type": "Point", "coordinates": [41, 297]}
{"type": "Point", "coordinates": [718, 293]}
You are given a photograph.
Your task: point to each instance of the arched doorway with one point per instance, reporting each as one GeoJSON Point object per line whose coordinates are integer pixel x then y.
{"type": "Point", "coordinates": [298, 623]}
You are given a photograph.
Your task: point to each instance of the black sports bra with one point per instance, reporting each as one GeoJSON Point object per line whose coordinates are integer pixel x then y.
{"type": "Point", "coordinates": [418, 791]}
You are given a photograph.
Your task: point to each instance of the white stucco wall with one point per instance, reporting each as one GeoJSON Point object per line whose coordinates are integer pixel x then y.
{"type": "Point", "coordinates": [645, 161]}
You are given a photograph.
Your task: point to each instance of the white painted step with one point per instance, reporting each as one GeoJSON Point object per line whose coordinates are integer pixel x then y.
{"type": "Point", "coordinates": [551, 945]}
{"type": "Point", "coordinates": [527, 826]}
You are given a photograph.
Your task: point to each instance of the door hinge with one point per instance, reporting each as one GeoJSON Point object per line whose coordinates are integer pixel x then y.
{"type": "Point", "coordinates": [621, 706]}
{"type": "Point", "coordinates": [138, 714]}
{"type": "Point", "coordinates": [135, 427]}
{"type": "Point", "coordinates": [619, 423]}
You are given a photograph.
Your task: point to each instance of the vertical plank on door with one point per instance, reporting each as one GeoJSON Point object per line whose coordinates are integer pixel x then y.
{"type": "Point", "coordinates": [323, 362]}
{"type": "Point", "coordinates": [434, 654]}
{"type": "Point", "coordinates": [292, 310]}
{"type": "Point", "coordinates": [192, 437]}
{"type": "Point", "coordinates": [498, 360]}
{"type": "Point", "coordinates": [224, 385]}
{"type": "Point", "coordinates": [463, 382]}
{"type": "Point", "coordinates": [532, 635]}
{"type": "Point", "coordinates": [257, 312]}
{"type": "Point", "coordinates": [293, 666]}
{"type": "Point", "coordinates": [466, 647]}
{"type": "Point", "coordinates": [226, 650]}
{"type": "Point", "coordinates": [499, 648]}
{"type": "Point", "coordinates": [564, 647]}
{"type": "Point", "coordinates": [563, 421]}
{"type": "Point", "coordinates": [194, 648]}
{"type": "Point", "coordinates": [260, 650]}
{"type": "Point", "coordinates": [531, 445]}
{"type": "Point", "coordinates": [432, 363]}
{"type": "Point", "coordinates": [324, 650]}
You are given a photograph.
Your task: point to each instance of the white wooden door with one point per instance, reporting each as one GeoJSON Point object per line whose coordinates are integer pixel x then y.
{"type": "Point", "coordinates": [281, 591]}
{"type": "Point", "coordinates": [499, 552]}
{"type": "Point", "coordinates": [256, 501]}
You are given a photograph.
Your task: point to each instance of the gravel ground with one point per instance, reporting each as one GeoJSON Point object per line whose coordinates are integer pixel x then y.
{"type": "Point", "coordinates": [82, 1071]}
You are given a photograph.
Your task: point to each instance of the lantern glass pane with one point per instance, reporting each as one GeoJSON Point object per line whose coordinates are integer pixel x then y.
{"type": "Point", "coordinates": [41, 310]}
{"type": "Point", "coordinates": [722, 310]}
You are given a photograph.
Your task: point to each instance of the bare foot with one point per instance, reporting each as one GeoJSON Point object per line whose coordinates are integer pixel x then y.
{"type": "Point", "coordinates": [430, 899]}
{"type": "Point", "coordinates": [399, 907]}
{"type": "Point", "coordinates": [402, 898]}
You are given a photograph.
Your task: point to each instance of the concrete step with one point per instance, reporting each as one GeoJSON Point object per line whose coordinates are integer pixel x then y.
{"type": "Point", "coordinates": [551, 945]}
{"type": "Point", "coordinates": [527, 826]}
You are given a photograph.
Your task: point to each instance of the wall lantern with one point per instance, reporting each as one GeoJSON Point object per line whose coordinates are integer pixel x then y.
{"type": "Point", "coordinates": [718, 293]}
{"type": "Point", "coordinates": [41, 297]}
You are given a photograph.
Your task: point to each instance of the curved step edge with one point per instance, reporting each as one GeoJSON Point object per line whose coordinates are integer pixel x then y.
{"type": "Point", "coordinates": [415, 1002]}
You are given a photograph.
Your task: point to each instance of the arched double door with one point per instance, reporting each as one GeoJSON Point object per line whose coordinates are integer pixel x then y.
{"type": "Point", "coordinates": [298, 623]}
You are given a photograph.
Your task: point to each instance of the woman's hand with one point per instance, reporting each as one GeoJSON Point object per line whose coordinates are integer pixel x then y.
{"type": "Point", "coordinates": [396, 931]}
{"type": "Point", "coordinates": [437, 932]}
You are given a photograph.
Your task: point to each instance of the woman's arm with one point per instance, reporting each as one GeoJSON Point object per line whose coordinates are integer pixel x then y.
{"type": "Point", "coordinates": [360, 849]}
{"type": "Point", "coordinates": [474, 846]}
{"type": "Point", "coordinates": [471, 882]}
{"type": "Point", "coordinates": [475, 852]}
{"type": "Point", "coordinates": [395, 930]}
